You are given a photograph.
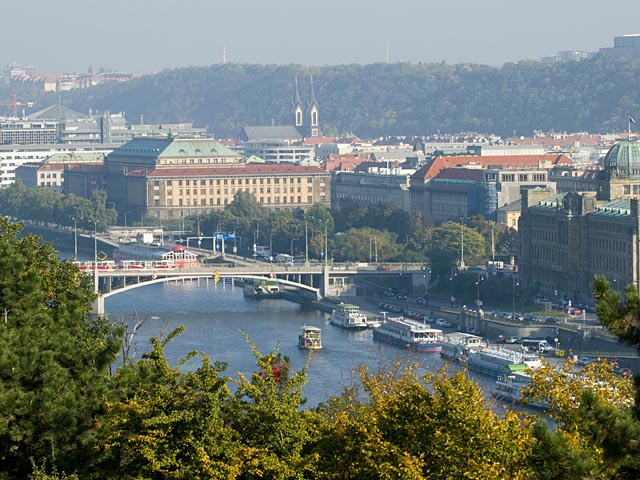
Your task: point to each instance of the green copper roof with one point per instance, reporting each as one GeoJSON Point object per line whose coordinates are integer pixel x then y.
{"type": "Point", "coordinates": [166, 147]}
{"type": "Point", "coordinates": [623, 160]}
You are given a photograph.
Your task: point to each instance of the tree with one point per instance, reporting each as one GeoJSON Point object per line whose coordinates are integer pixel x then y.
{"type": "Point", "coordinates": [54, 363]}
{"type": "Point", "coordinates": [598, 432]}
{"type": "Point", "coordinates": [435, 426]}
{"type": "Point", "coordinates": [266, 414]}
{"type": "Point", "coordinates": [365, 244]}
{"type": "Point", "coordinates": [449, 241]}
{"type": "Point", "coordinates": [170, 425]}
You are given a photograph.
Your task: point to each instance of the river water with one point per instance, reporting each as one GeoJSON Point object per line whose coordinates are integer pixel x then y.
{"type": "Point", "coordinates": [217, 316]}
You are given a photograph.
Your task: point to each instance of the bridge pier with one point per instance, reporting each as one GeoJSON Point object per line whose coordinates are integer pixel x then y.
{"type": "Point", "coordinates": [97, 308]}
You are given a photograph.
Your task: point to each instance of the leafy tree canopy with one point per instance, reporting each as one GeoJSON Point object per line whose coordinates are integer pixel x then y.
{"type": "Point", "coordinates": [594, 95]}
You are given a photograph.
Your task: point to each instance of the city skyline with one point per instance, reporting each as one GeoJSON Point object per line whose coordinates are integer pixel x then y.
{"type": "Point", "coordinates": [135, 37]}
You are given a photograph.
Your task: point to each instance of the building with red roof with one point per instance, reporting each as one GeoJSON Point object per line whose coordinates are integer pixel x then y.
{"type": "Point", "coordinates": [177, 177]}
{"type": "Point", "coordinates": [455, 186]}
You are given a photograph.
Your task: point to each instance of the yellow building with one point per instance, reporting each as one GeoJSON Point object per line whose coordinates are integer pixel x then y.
{"type": "Point", "coordinates": [177, 177]}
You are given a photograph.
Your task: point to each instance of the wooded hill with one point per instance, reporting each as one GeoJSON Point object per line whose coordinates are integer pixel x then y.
{"type": "Point", "coordinates": [595, 95]}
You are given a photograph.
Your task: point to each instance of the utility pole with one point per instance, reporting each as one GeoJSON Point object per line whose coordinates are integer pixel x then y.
{"type": "Point", "coordinates": [306, 243]}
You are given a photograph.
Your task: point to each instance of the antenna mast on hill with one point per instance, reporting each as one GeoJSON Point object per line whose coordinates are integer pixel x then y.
{"type": "Point", "coordinates": [224, 55]}
{"type": "Point", "coordinates": [387, 55]}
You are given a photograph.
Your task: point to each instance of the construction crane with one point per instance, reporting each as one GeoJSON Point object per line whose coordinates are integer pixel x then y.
{"type": "Point", "coordinates": [14, 104]}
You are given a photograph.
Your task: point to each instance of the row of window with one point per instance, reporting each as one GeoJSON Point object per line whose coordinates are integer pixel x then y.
{"type": "Point", "coordinates": [225, 191]}
{"type": "Point", "coordinates": [225, 201]}
{"type": "Point", "coordinates": [610, 245]}
{"type": "Point", "coordinates": [607, 264]}
{"type": "Point", "coordinates": [232, 181]}
{"type": "Point", "coordinates": [198, 161]}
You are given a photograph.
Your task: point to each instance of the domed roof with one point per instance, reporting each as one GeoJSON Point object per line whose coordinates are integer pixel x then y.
{"type": "Point", "coordinates": [623, 160]}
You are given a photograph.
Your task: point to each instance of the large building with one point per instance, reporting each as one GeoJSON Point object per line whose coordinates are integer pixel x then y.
{"type": "Point", "coordinates": [624, 46]}
{"type": "Point", "coordinates": [177, 177]}
{"type": "Point", "coordinates": [450, 187]}
{"type": "Point", "coordinates": [13, 156]}
{"type": "Point", "coordinates": [50, 172]}
{"type": "Point", "coordinates": [285, 143]}
{"type": "Point", "coordinates": [569, 237]}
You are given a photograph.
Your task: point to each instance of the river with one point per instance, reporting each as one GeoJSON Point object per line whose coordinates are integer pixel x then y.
{"type": "Point", "coordinates": [218, 316]}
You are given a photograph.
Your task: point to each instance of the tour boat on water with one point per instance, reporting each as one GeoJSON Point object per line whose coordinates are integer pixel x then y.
{"type": "Point", "coordinates": [499, 361]}
{"type": "Point", "coordinates": [509, 387]}
{"type": "Point", "coordinates": [349, 316]}
{"type": "Point", "coordinates": [457, 345]}
{"type": "Point", "coordinates": [418, 337]}
{"type": "Point", "coordinates": [259, 289]}
{"type": "Point", "coordinates": [310, 338]}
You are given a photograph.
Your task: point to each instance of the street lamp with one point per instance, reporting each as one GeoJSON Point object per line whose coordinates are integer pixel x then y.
{"type": "Point", "coordinates": [513, 298]}
{"type": "Point", "coordinates": [125, 218]}
{"type": "Point", "coordinates": [95, 256]}
{"type": "Point", "coordinates": [478, 301]}
{"type": "Point", "coordinates": [306, 243]}
{"type": "Point", "coordinates": [271, 247]}
{"type": "Point", "coordinates": [326, 244]}
{"type": "Point", "coordinates": [75, 238]}
{"type": "Point", "coordinates": [292, 240]}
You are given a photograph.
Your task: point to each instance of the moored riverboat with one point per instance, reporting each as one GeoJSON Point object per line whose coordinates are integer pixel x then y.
{"type": "Point", "coordinates": [410, 334]}
{"type": "Point", "coordinates": [457, 345]}
{"type": "Point", "coordinates": [260, 289]}
{"type": "Point", "coordinates": [509, 388]}
{"type": "Point", "coordinates": [499, 361]}
{"type": "Point", "coordinates": [348, 316]}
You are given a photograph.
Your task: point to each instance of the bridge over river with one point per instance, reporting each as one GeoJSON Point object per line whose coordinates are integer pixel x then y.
{"type": "Point", "coordinates": [313, 281]}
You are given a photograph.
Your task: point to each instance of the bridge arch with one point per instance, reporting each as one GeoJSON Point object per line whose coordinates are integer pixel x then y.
{"type": "Point", "coordinates": [98, 308]}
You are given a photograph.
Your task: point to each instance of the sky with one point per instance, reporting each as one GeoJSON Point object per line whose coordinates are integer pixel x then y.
{"type": "Point", "coordinates": [153, 35]}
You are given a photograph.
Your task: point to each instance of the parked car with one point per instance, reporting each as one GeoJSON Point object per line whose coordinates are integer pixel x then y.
{"type": "Point", "coordinates": [384, 268]}
{"type": "Point", "coordinates": [552, 320]}
{"type": "Point", "coordinates": [421, 300]}
{"type": "Point", "coordinates": [511, 340]}
{"type": "Point", "coordinates": [441, 322]}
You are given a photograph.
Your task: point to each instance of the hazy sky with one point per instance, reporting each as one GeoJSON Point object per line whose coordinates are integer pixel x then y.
{"type": "Point", "coordinates": [151, 35]}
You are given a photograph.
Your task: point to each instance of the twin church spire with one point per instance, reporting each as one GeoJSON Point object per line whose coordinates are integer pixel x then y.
{"type": "Point", "coordinates": [306, 118]}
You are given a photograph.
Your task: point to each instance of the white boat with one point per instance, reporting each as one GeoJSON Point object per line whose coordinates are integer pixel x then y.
{"type": "Point", "coordinates": [416, 336]}
{"type": "Point", "coordinates": [259, 289]}
{"type": "Point", "coordinates": [499, 361]}
{"type": "Point", "coordinates": [310, 338]}
{"type": "Point", "coordinates": [349, 316]}
{"type": "Point", "coordinates": [509, 388]}
{"type": "Point", "coordinates": [457, 345]}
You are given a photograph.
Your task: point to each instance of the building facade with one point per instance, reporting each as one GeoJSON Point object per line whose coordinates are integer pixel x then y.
{"type": "Point", "coordinates": [569, 237]}
{"type": "Point", "coordinates": [370, 189]}
{"type": "Point", "coordinates": [177, 177]}
{"type": "Point", "coordinates": [13, 156]}
{"type": "Point", "coordinates": [50, 172]}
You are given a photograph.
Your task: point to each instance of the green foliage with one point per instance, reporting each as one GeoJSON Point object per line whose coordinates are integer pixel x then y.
{"type": "Point", "coordinates": [41, 204]}
{"type": "Point", "coordinates": [172, 425]}
{"type": "Point", "coordinates": [593, 95]}
{"type": "Point", "coordinates": [358, 244]}
{"type": "Point", "coordinates": [446, 245]}
{"type": "Point", "coordinates": [403, 426]}
{"type": "Point", "coordinates": [54, 363]}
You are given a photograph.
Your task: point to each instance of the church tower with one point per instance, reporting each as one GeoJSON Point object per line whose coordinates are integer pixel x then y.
{"type": "Point", "coordinates": [313, 113]}
{"type": "Point", "coordinates": [296, 109]}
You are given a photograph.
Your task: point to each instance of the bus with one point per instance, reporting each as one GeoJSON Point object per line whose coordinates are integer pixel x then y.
{"type": "Point", "coordinates": [284, 258]}
{"type": "Point", "coordinates": [535, 345]}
